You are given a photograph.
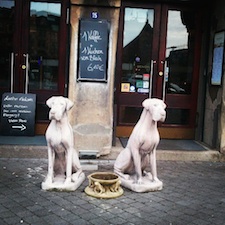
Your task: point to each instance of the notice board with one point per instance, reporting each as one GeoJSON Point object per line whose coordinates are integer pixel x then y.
{"type": "Point", "coordinates": [93, 50]}
{"type": "Point", "coordinates": [18, 114]}
{"type": "Point", "coordinates": [218, 55]}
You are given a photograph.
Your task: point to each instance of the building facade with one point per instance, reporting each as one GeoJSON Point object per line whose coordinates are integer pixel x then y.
{"type": "Point", "coordinates": [108, 56]}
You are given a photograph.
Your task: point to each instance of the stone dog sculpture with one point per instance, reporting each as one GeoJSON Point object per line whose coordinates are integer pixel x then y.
{"type": "Point", "coordinates": [64, 169]}
{"type": "Point", "coordinates": [140, 151]}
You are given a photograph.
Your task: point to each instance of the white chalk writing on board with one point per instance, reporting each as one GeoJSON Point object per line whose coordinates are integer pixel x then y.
{"type": "Point", "coordinates": [18, 114]}
{"type": "Point", "coordinates": [93, 50]}
{"type": "Point", "coordinates": [92, 35]}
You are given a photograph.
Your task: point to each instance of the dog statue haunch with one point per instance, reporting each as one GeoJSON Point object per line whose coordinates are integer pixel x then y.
{"type": "Point", "coordinates": [140, 151]}
{"type": "Point", "coordinates": [64, 169]}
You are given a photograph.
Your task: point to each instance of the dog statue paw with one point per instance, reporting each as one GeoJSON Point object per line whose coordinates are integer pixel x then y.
{"type": "Point", "coordinates": [48, 180]}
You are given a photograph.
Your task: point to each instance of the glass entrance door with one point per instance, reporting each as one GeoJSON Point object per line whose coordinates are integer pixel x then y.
{"type": "Point", "coordinates": [33, 41]}
{"type": "Point", "coordinates": [159, 58]}
{"type": "Point", "coordinates": [7, 28]}
{"type": "Point", "coordinates": [179, 57]}
{"type": "Point", "coordinates": [139, 48]}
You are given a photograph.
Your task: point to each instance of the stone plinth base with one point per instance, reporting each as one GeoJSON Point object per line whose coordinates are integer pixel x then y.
{"type": "Point", "coordinates": [108, 194]}
{"type": "Point", "coordinates": [59, 184]}
{"type": "Point", "coordinates": [146, 186]}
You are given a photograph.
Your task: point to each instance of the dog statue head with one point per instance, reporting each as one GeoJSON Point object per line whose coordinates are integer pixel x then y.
{"type": "Point", "coordinates": [58, 105]}
{"type": "Point", "coordinates": [156, 107]}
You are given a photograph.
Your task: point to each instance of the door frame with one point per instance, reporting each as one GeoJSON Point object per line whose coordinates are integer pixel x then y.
{"type": "Point", "coordinates": [166, 130]}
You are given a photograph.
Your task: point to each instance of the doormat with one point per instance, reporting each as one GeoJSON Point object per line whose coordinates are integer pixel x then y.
{"type": "Point", "coordinates": [38, 140]}
{"type": "Point", "coordinates": [168, 144]}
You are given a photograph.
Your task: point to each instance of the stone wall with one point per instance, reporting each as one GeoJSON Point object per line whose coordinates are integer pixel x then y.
{"type": "Point", "coordinates": [92, 114]}
{"type": "Point", "coordinates": [214, 123]}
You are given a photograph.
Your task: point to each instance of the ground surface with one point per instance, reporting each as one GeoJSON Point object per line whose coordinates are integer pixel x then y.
{"type": "Point", "coordinates": [193, 193]}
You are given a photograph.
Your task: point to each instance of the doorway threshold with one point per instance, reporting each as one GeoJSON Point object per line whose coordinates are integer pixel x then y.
{"type": "Point", "coordinates": [174, 144]}
{"type": "Point", "coordinates": [38, 140]}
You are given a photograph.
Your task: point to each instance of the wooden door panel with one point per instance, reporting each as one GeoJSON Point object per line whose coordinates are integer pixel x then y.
{"type": "Point", "coordinates": [179, 101]}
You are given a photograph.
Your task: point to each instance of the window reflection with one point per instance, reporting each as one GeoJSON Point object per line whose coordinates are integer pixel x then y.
{"type": "Point", "coordinates": [179, 52]}
{"type": "Point", "coordinates": [44, 30]}
{"type": "Point", "coordinates": [137, 46]}
{"type": "Point", "coordinates": [7, 13]}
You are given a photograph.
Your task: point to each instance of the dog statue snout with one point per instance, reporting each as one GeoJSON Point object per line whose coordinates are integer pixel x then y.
{"type": "Point", "coordinates": [51, 115]}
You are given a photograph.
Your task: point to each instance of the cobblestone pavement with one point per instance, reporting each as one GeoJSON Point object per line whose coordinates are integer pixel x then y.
{"type": "Point", "coordinates": [193, 193]}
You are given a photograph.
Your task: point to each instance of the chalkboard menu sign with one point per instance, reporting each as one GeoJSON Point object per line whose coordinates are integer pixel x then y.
{"type": "Point", "coordinates": [18, 114]}
{"type": "Point", "coordinates": [93, 50]}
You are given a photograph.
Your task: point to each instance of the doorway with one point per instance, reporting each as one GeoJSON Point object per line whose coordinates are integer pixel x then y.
{"type": "Point", "coordinates": [158, 56]}
{"type": "Point", "coordinates": [33, 51]}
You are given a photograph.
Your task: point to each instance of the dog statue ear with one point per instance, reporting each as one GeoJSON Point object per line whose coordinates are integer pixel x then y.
{"type": "Point", "coordinates": [69, 104]}
{"type": "Point", "coordinates": [49, 101]}
{"type": "Point", "coordinates": [146, 104]}
{"type": "Point", "coordinates": [164, 104]}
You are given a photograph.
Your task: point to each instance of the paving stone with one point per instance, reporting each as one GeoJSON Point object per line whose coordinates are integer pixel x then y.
{"type": "Point", "coordinates": [7, 214]}
{"type": "Point", "coordinates": [70, 218]}
{"type": "Point", "coordinates": [54, 219]}
{"type": "Point", "coordinates": [12, 220]}
{"type": "Point", "coordinates": [117, 220]}
{"type": "Point", "coordinates": [109, 216]}
{"type": "Point", "coordinates": [88, 216]}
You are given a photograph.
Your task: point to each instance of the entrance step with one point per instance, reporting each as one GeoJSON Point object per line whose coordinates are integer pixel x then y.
{"type": "Point", "coordinates": [181, 150]}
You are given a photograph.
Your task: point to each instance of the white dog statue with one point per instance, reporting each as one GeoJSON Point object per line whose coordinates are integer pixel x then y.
{"type": "Point", "coordinates": [64, 169]}
{"type": "Point", "coordinates": [140, 151]}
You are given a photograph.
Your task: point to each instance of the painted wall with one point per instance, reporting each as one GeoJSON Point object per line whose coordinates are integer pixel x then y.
{"type": "Point", "coordinates": [92, 114]}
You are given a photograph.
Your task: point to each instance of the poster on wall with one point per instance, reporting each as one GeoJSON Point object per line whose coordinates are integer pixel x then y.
{"type": "Point", "coordinates": [93, 50]}
{"type": "Point", "coordinates": [218, 52]}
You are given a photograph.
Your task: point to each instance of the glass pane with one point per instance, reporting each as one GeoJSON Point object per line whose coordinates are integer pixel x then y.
{"type": "Point", "coordinates": [137, 48]}
{"type": "Point", "coordinates": [43, 45]}
{"type": "Point", "coordinates": [6, 41]}
{"type": "Point", "coordinates": [179, 52]}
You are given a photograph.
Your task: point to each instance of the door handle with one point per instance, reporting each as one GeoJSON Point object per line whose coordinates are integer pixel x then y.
{"type": "Point", "coordinates": [165, 73]}
{"type": "Point", "coordinates": [151, 77]}
{"type": "Point", "coordinates": [26, 67]}
{"type": "Point", "coordinates": [12, 72]}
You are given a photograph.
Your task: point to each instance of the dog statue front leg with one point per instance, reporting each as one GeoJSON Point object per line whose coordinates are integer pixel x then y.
{"type": "Point", "coordinates": [69, 166]}
{"type": "Point", "coordinates": [153, 165]}
{"type": "Point", "coordinates": [76, 167]}
{"type": "Point", "coordinates": [137, 165]}
{"type": "Point", "coordinates": [51, 162]}
{"type": "Point", "coordinates": [122, 163]}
